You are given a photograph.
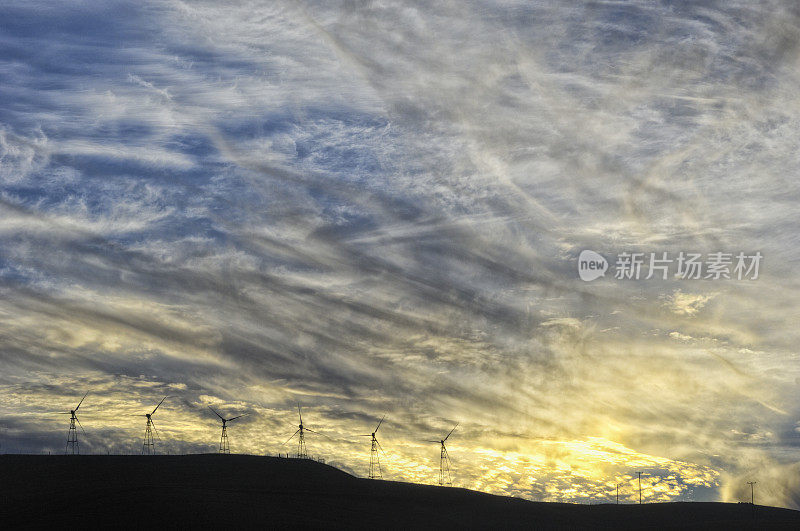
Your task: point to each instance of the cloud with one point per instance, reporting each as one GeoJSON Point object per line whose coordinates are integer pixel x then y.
{"type": "Point", "coordinates": [680, 337]}
{"type": "Point", "coordinates": [20, 156]}
{"type": "Point", "coordinates": [688, 304]}
{"type": "Point", "coordinates": [776, 484]}
{"type": "Point", "coordinates": [377, 207]}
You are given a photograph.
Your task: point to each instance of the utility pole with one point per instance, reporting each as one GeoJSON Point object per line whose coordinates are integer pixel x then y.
{"type": "Point", "coordinates": [617, 493]}
{"type": "Point", "coordinates": [640, 487]}
{"type": "Point", "coordinates": [752, 492]}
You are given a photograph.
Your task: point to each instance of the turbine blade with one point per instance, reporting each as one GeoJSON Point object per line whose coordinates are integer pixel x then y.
{"type": "Point", "coordinates": [379, 446]}
{"type": "Point", "coordinates": [316, 432]}
{"type": "Point", "coordinates": [81, 402]}
{"type": "Point", "coordinates": [240, 416]}
{"type": "Point", "coordinates": [451, 431]}
{"type": "Point", "coordinates": [79, 424]}
{"type": "Point", "coordinates": [381, 422]}
{"type": "Point", "coordinates": [158, 435]}
{"type": "Point", "coordinates": [158, 406]}
{"type": "Point", "coordinates": [300, 413]}
{"type": "Point", "coordinates": [364, 435]}
{"type": "Point", "coordinates": [437, 442]}
{"type": "Point", "coordinates": [217, 414]}
{"type": "Point", "coordinates": [292, 437]}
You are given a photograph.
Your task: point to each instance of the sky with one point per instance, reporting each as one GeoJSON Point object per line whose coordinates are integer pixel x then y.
{"type": "Point", "coordinates": [373, 208]}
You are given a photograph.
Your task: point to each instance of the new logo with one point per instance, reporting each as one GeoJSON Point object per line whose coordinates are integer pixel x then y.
{"type": "Point", "coordinates": [591, 265]}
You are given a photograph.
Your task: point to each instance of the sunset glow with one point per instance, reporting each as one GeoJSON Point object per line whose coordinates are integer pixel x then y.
{"type": "Point", "coordinates": [369, 208]}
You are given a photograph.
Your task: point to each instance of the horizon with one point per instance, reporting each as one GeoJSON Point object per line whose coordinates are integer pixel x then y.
{"type": "Point", "coordinates": [569, 228]}
{"type": "Point", "coordinates": [322, 461]}
{"type": "Point", "coordinates": [212, 490]}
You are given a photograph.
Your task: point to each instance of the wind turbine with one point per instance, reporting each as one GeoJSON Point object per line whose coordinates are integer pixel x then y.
{"type": "Point", "coordinates": [224, 448]}
{"type": "Point", "coordinates": [149, 446]}
{"type": "Point", "coordinates": [302, 453]}
{"type": "Point", "coordinates": [72, 434]}
{"type": "Point", "coordinates": [375, 471]}
{"type": "Point", "coordinates": [444, 460]}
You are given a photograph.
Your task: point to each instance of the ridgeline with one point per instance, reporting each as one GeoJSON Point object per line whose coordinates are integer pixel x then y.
{"type": "Point", "coordinates": [240, 492]}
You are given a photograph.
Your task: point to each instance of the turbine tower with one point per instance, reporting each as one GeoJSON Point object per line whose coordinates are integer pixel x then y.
{"type": "Point", "coordinates": [375, 471]}
{"type": "Point", "coordinates": [224, 448]}
{"type": "Point", "coordinates": [302, 453]}
{"type": "Point", "coordinates": [72, 435]}
{"type": "Point", "coordinates": [444, 461]}
{"type": "Point", "coordinates": [149, 445]}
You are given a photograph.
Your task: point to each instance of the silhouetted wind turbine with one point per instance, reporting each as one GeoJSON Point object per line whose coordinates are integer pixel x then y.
{"type": "Point", "coordinates": [224, 448]}
{"type": "Point", "coordinates": [375, 471]}
{"type": "Point", "coordinates": [444, 460]}
{"type": "Point", "coordinates": [72, 435]}
{"type": "Point", "coordinates": [149, 446]}
{"type": "Point", "coordinates": [302, 453]}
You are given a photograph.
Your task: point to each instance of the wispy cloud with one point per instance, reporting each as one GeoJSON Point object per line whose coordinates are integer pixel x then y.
{"type": "Point", "coordinates": [373, 207]}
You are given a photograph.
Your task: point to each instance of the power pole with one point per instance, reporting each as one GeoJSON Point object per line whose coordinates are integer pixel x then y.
{"type": "Point", "coordinates": [640, 487]}
{"type": "Point", "coordinates": [752, 492]}
{"type": "Point", "coordinates": [617, 493]}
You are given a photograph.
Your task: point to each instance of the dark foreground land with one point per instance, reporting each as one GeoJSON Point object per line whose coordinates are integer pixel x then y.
{"type": "Point", "coordinates": [237, 491]}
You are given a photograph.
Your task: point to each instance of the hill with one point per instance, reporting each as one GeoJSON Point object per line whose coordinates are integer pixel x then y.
{"type": "Point", "coordinates": [238, 491]}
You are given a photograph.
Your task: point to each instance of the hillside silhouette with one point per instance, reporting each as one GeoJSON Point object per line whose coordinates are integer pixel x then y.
{"type": "Point", "coordinates": [239, 491]}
